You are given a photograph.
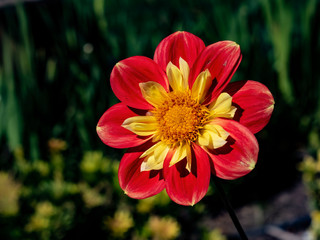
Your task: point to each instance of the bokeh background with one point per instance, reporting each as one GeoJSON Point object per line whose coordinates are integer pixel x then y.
{"type": "Point", "coordinates": [59, 181]}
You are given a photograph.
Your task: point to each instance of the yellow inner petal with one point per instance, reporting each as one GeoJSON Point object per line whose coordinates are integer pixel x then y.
{"type": "Point", "coordinates": [183, 150]}
{"type": "Point", "coordinates": [201, 86]}
{"type": "Point", "coordinates": [184, 68]}
{"type": "Point", "coordinates": [189, 157]}
{"type": "Point", "coordinates": [213, 136]}
{"type": "Point", "coordinates": [178, 78]}
{"type": "Point", "coordinates": [154, 157]}
{"type": "Point", "coordinates": [141, 125]}
{"type": "Point", "coordinates": [180, 153]}
{"type": "Point", "coordinates": [153, 92]}
{"type": "Point", "coordinates": [222, 107]}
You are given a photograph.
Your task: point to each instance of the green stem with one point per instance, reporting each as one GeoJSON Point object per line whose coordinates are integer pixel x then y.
{"type": "Point", "coordinates": [229, 208]}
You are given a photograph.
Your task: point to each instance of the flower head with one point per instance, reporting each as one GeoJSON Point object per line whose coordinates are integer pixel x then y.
{"type": "Point", "coordinates": [182, 119]}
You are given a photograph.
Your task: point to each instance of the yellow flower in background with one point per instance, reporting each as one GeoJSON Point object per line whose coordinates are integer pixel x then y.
{"type": "Point", "coordinates": [120, 223]}
{"type": "Point", "coordinates": [216, 235]}
{"type": "Point", "coordinates": [9, 194]}
{"type": "Point", "coordinates": [146, 205]}
{"type": "Point", "coordinates": [50, 221]}
{"type": "Point", "coordinates": [94, 161]}
{"type": "Point", "coordinates": [164, 228]}
{"type": "Point", "coordinates": [91, 196]}
{"type": "Point", "coordinates": [310, 168]}
{"type": "Point", "coordinates": [315, 225]}
{"type": "Point", "coordinates": [318, 161]}
{"type": "Point", "coordinates": [41, 167]}
{"type": "Point", "coordinates": [57, 145]}
{"type": "Point", "coordinates": [42, 217]}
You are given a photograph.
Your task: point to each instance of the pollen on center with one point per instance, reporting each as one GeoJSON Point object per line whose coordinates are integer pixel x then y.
{"type": "Point", "coordinates": [179, 118]}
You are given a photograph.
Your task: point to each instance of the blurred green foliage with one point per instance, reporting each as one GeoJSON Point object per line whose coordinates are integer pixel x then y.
{"type": "Point", "coordinates": [55, 60]}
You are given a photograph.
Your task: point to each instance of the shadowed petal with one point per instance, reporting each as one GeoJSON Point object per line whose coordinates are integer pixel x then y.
{"type": "Point", "coordinates": [112, 133]}
{"type": "Point", "coordinates": [239, 155]}
{"type": "Point", "coordinates": [134, 182]}
{"type": "Point", "coordinates": [179, 44]}
{"type": "Point", "coordinates": [254, 104]}
{"type": "Point", "coordinates": [222, 60]}
{"type": "Point", "coordinates": [128, 73]}
{"type": "Point", "coordinates": [188, 187]}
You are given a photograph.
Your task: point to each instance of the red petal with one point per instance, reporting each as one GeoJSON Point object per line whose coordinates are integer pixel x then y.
{"type": "Point", "coordinates": [137, 184]}
{"type": "Point", "coordinates": [222, 60]}
{"type": "Point", "coordinates": [128, 73]}
{"type": "Point", "coordinates": [184, 187]}
{"type": "Point", "coordinates": [112, 133]}
{"type": "Point", "coordinates": [176, 45]}
{"type": "Point", "coordinates": [254, 104]}
{"type": "Point", "coordinates": [239, 156]}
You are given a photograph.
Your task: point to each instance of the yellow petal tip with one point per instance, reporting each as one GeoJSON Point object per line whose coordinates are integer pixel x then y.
{"type": "Point", "coordinates": [119, 64]}
{"type": "Point", "coordinates": [234, 44]}
{"type": "Point", "coordinates": [252, 165]}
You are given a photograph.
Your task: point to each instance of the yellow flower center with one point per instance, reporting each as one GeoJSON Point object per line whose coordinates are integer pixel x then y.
{"type": "Point", "coordinates": [179, 118]}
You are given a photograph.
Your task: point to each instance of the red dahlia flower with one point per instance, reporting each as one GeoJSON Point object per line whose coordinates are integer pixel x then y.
{"type": "Point", "coordinates": [182, 120]}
